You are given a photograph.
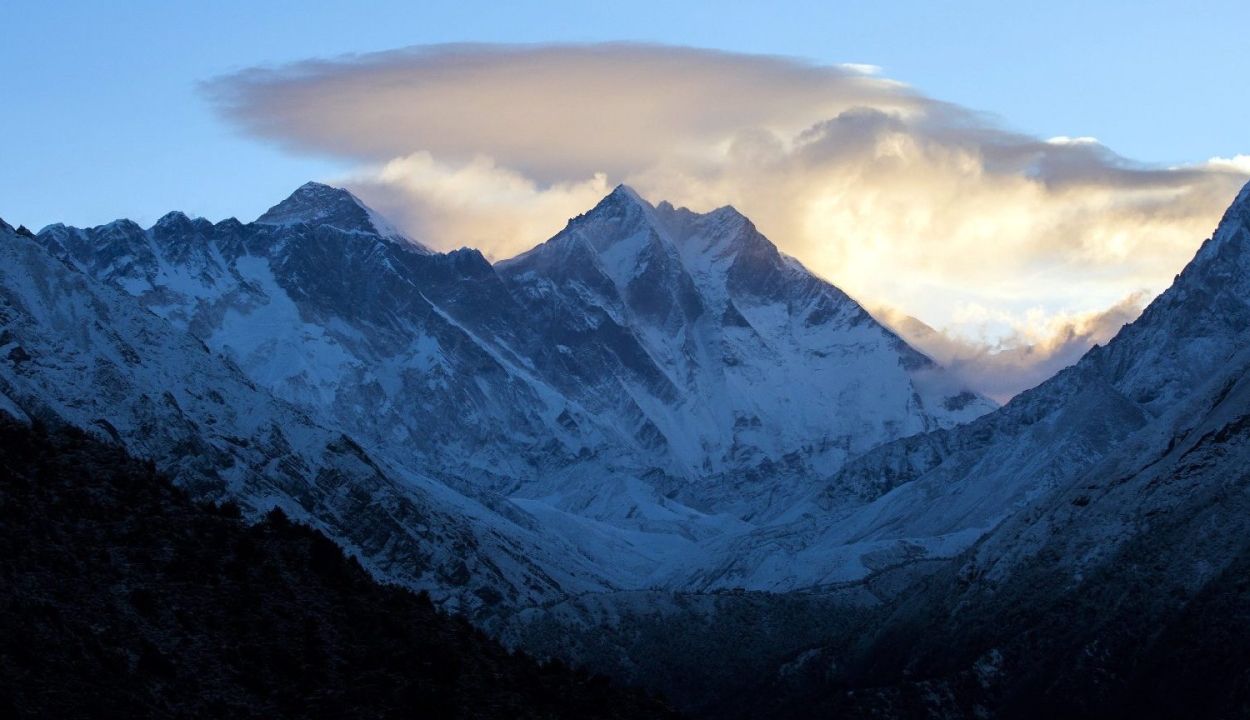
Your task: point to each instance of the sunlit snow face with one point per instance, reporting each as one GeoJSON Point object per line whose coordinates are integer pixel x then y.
{"type": "Point", "coordinates": [908, 203]}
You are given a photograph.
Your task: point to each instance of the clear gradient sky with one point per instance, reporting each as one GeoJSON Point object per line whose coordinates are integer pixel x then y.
{"type": "Point", "coordinates": [980, 222]}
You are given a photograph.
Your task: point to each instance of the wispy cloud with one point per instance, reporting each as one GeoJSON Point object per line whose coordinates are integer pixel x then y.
{"type": "Point", "coordinates": [902, 200]}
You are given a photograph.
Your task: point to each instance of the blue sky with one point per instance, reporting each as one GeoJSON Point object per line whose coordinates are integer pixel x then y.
{"type": "Point", "coordinates": [103, 118]}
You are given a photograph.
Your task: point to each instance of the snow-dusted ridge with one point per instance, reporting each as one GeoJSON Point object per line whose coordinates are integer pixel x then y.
{"type": "Point", "coordinates": [630, 395]}
{"type": "Point", "coordinates": [931, 496]}
{"type": "Point", "coordinates": [658, 400]}
{"type": "Point", "coordinates": [318, 204]}
{"type": "Point", "coordinates": [76, 351]}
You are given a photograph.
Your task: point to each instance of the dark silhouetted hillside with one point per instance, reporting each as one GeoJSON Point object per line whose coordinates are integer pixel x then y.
{"type": "Point", "coordinates": [119, 597]}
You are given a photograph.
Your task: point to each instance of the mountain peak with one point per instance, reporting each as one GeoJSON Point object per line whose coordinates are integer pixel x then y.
{"type": "Point", "coordinates": [1243, 197]}
{"type": "Point", "coordinates": [319, 204]}
{"type": "Point", "coordinates": [623, 201]}
{"type": "Point", "coordinates": [1223, 255]}
{"type": "Point", "coordinates": [716, 234]}
{"type": "Point", "coordinates": [121, 226]}
{"type": "Point", "coordinates": [625, 192]}
{"type": "Point", "coordinates": [313, 202]}
{"type": "Point", "coordinates": [1236, 219]}
{"type": "Point", "coordinates": [727, 212]}
{"type": "Point", "coordinates": [174, 220]}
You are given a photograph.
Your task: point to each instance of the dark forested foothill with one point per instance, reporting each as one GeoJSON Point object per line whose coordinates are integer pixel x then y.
{"type": "Point", "coordinates": [120, 597]}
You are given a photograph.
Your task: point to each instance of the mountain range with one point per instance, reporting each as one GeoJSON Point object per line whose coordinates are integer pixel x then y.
{"type": "Point", "coordinates": [657, 404]}
{"type": "Point", "coordinates": [599, 410]}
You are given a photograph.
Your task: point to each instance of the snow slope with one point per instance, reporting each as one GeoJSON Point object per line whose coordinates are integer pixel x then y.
{"type": "Point", "coordinates": [933, 495]}
{"type": "Point", "coordinates": [652, 398]}
{"type": "Point", "coordinates": [747, 373]}
{"type": "Point", "coordinates": [75, 351]}
{"type": "Point", "coordinates": [644, 385]}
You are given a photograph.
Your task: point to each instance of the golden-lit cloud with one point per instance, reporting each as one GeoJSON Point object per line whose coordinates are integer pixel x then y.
{"type": "Point", "coordinates": [1021, 249]}
{"type": "Point", "coordinates": [1001, 353]}
{"type": "Point", "coordinates": [475, 204]}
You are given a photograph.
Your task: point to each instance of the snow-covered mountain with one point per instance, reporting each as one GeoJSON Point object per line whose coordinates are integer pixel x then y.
{"type": "Point", "coordinates": [316, 204]}
{"type": "Point", "coordinates": [652, 400]}
{"type": "Point", "coordinates": [1112, 582]}
{"type": "Point", "coordinates": [744, 371]}
{"type": "Point", "coordinates": [930, 496]}
{"type": "Point", "coordinates": [1080, 552]}
{"type": "Point", "coordinates": [75, 351]}
{"type": "Point", "coordinates": [647, 381]}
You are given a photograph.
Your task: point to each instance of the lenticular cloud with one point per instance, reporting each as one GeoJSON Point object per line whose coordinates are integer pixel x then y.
{"type": "Point", "coordinates": [904, 201]}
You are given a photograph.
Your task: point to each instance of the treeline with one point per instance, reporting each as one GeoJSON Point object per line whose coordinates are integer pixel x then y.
{"type": "Point", "coordinates": [707, 653]}
{"type": "Point", "coordinates": [121, 597]}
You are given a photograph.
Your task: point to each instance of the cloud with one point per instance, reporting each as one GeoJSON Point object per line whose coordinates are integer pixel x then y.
{"type": "Point", "coordinates": [900, 199]}
{"type": "Point", "coordinates": [476, 204]}
{"type": "Point", "coordinates": [862, 68]}
{"type": "Point", "coordinates": [1001, 354]}
{"type": "Point", "coordinates": [1065, 140]}
{"type": "Point", "coordinates": [1237, 163]}
{"type": "Point", "coordinates": [548, 111]}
